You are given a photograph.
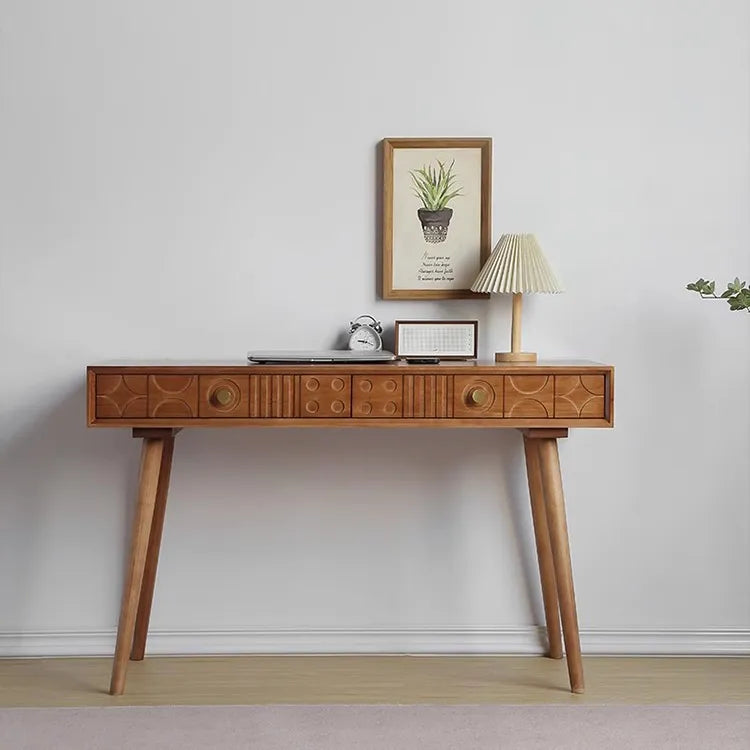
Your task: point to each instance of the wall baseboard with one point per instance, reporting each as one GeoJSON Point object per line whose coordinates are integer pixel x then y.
{"type": "Point", "coordinates": [510, 641]}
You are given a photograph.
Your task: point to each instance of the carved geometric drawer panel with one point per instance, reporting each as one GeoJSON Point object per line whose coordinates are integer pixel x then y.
{"type": "Point", "coordinates": [528, 396]}
{"type": "Point", "coordinates": [478, 396]}
{"type": "Point", "coordinates": [273, 396]}
{"type": "Point", "coordinates": [119, 396]}
{"type": "Point", "coordinates": [224, 396]}
{"type": "Point", "coordinates": [579, 396]}
{"type": "Point", "coordinates": [376, 395]}
{"type": "Point", "coordinates": [173, 396]}
{"type": "Point", "coordinates": [325, 396]}
{"type": "Point", "coordinates": [428, 396]}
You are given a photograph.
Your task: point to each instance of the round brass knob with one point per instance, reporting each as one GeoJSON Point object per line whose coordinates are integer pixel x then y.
{"type": "Point", "coordinates": [223, 396]}
{"type": "Point", "coordinates": [477, 396]}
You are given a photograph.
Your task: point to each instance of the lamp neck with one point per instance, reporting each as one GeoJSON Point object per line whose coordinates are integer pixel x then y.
{"type": "Point", "coordinates": [515, 331]}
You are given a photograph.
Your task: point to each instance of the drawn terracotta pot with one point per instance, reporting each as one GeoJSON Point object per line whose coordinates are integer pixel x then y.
{"type": "Point", "coordinates": [435, 223]}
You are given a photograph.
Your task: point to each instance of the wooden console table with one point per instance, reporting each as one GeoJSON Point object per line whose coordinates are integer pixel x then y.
{"type": "Point", "coordinates": [540, 400]}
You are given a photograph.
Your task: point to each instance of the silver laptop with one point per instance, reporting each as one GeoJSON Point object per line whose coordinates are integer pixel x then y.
{"type": "Point", "coordinates": [321, 356]}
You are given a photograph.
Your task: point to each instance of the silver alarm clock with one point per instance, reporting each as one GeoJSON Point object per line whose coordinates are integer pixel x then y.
{"type": "Point", "coordinates": [365, 334]}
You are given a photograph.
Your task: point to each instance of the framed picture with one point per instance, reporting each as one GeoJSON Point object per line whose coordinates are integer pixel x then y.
{"type": "Point", "coordinates": [436, 216]}
{"type": "Point", "coordinates": [444, 339]}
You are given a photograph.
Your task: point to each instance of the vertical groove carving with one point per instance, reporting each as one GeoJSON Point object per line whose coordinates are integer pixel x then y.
{"type": "Point", "coordinates": [265, 396]}
{"type": "Point", "coordinates": [429, 396]}
{"type": "Point", "coordinates": [287, 396]}
{"type": "Point", "coordinates": [408, 395]}
{"type": "Point", "coordinates": [276, 396]}
{"type": "Point", "coordinates": [254, 397]}
{"type": "Point", "coordinates": [419, 389]}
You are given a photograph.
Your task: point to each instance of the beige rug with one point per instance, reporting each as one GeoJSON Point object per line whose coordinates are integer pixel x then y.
{"type": "Point", "coordinates": [377, 727]}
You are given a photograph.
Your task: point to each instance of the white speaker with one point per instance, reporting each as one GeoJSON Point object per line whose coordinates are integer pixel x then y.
{"type": "Point", "coordinates": [442, 339]}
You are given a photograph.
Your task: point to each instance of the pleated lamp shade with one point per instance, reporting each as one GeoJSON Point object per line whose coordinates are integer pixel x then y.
{"type": "Point", "coordinates": [517, 266]}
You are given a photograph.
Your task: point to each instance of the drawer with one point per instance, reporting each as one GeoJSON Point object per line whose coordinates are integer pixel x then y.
{"type": "Point", "coordinates": [377, 396]}
{"type": "Point", "coordinates": [325, 396]}
{"type": "Point", "coordinates": [529, 396]}
{"type": "Point", "coordinates": [173, 396]}
{"type": "Point", "coordinates": [273, 396]}
{"type": "Point", "coordinates": [580, 396]}
{"type": "Point", "coordinates": [224, 396]}
{"type": "Point", "coordinates": [121, 396]}
{"type": "Point", "coordinates": [477, 396]}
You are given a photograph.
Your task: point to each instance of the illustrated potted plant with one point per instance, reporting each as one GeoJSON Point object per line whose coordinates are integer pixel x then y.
{"type": "Point", "coordinates": [435, 187]}
{"type": "Point", "coordinates": [736, 294]}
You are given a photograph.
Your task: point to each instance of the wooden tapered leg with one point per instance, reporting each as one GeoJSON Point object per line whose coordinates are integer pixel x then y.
{"type": "Point", "coordinates": [558, 532]}
{"type": "Point", "coordinates": [151, 456]}
{"type": "Point", "coordinates": [152, 555]}
{"type": "Point", "coordinates": [543, 548]}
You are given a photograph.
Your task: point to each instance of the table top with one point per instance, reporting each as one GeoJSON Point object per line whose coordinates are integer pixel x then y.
{"type": "Point", "coordinates": [404, 367]}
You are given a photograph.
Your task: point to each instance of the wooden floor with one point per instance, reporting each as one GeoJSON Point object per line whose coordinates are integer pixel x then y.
{"type": "Point", "coordinates": [373, 679]}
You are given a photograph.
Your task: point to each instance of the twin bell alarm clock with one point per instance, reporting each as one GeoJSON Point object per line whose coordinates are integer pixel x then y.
{"type": "Point", "coordinates": [365, 334]}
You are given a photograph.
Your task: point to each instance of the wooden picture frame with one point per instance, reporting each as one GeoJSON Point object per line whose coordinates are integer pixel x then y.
{"type": "Point", "coordinates": [444, 339]}
{"type": "Point", "coordinates": [432, 250]}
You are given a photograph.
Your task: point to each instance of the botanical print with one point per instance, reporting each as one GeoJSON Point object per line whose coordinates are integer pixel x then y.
{"type": "Point", "coordinates": [437, 197]}
{"type": "Point", "coordinates": [434, 186]}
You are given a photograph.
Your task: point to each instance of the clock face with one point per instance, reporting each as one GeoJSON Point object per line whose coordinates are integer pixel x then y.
{"type": "Point", "coordinates": [365, 339]}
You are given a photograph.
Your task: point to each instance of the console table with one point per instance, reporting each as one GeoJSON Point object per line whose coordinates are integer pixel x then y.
{"type": "Point", "coordinates": [157, 400]}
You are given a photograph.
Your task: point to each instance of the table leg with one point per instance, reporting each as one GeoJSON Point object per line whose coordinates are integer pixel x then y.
{"type": "Point", "coordinates": [558, 531]}
{"type": "Point", "coordinates": [151, 457]}
{"type": "Point", "coordinates": [152, 556]}
{"type": "Point", "coordinates": [543, 548]}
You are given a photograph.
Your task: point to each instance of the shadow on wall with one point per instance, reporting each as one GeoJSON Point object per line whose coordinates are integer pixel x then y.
{"type": "Point", "coordinates": [385, 503]}
{"type": "Point", "coordinates": [47, 516]}
{"type": "Point", "coordinates": [56, 530]}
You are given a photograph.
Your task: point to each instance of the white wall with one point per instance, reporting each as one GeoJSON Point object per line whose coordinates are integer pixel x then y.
{"type": "Point", "coordinates": [191, 179]}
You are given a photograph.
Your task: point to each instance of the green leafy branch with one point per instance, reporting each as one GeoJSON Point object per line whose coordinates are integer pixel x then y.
{"type": "Point", "coordinates": [435, 187]}
{"type": "Point", "coordinates": [736, 294]}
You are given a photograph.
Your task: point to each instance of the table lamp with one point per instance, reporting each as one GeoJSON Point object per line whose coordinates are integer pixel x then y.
{"type": "Point", "coordinates": [517, 266]}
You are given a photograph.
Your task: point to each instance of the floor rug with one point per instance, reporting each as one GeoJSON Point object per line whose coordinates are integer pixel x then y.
{"type": "Point", "coordinates": [339, 727]}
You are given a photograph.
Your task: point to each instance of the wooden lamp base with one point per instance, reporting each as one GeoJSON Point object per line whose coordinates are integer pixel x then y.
{"type": "Point", "coordinates": [515, 356]}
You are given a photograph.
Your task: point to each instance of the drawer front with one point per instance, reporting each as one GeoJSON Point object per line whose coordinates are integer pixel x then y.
{"type": "Point", "coordinates": [428, 396]}
{"type": "Point", "coordinates": [121, 396]}
{"type": "Point", "coordinates": [224, 396]}
{"type": "Point", "coordinates": [579, 396]}
{"type": "Point", "coordinates": [529, 396]}
{"type": "Point", "coordinates": [478, 396]}
{"type": "Point", "coordinates": [325, 396]}
{"type": "Point", "coordinates": [173, 396]}
{"type": "Point", "coordinates": [377, 396]}
{"type": "Point", "coordinates": [273, 396]}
